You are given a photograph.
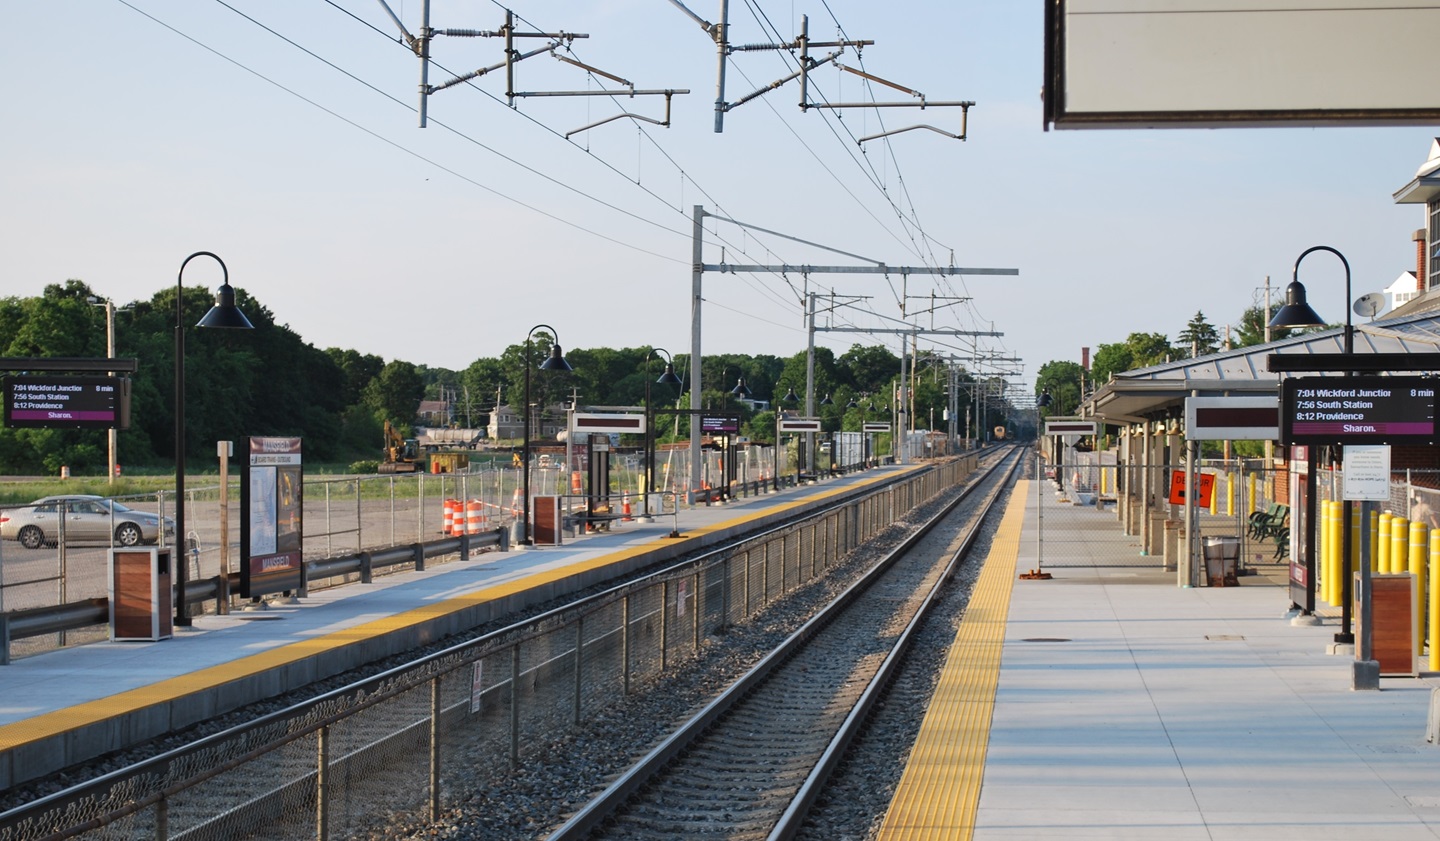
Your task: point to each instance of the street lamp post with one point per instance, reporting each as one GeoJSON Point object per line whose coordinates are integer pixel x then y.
{"type": "Point", "coordinates": [226, 315]}
{"type": "Point", "coordinates": [1297, 313]}
{"type": "Point", "coordinates": [554, 362]}
{"type": "Point", "coordinates": [667, 378]}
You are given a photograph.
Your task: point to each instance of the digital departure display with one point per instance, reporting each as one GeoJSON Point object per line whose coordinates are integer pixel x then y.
{"type": "Point", "coordinates": [1357, 410]}
{"type": "Point", "coordinates": [719, 424]}
{"type": "Point", "coordinates": [65, 402]}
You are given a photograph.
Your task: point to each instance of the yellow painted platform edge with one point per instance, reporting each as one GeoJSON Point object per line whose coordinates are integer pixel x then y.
{"type": "Point", "coordinates": [939, 792]}
{"type": "Point", "coordinates": [57, 722]}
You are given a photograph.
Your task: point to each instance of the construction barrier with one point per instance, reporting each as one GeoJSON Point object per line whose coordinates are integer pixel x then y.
{"type": "Point", "coordinates": [447, 521]}
{"type": "Point", "coordinates": [474, 516]}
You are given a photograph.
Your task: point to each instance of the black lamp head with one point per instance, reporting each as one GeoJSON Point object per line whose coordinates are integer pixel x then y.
{"type": "Point", "coordinates": [225, 313]}
{"type": "Point", "coordinates": [669, 378]}
{"type": "Point", "coordinates": [555, 361]}
{"type": "Point", "coordinates": [1296, 312]}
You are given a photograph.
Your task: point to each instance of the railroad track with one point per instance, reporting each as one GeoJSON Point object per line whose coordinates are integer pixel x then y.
{"type": "Point", "coordinates": [752, 762]}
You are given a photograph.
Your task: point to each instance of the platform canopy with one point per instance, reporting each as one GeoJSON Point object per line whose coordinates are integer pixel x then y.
{"type": "Point", "coordinates": [1160, 390]}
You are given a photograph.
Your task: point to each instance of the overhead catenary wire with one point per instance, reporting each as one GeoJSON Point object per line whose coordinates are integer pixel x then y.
{"type": "Point", "coordinates": [569, 47]}
{"type": "Point", "coordinates": [451, 170]}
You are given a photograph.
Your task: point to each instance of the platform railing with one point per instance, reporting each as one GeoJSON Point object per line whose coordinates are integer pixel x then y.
{"type": "Point", "coordinates": [382, 750]}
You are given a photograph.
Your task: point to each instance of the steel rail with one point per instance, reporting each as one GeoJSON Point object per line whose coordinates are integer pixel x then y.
{"type": "Point", "coordinates": [602, 807]}
{"type": "Point", "coordinates": [794, 816]}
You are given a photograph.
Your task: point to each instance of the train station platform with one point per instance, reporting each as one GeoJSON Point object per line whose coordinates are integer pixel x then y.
{"type": "Point", "coordinates": [73, 704]}
{"type": "Point", "coordinates": [1107, 702]}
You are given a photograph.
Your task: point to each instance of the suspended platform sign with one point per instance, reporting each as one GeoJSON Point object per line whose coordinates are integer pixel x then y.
{"type": "Point", "coordinates": [607, 423]}
{"type": "Point", "coordinates": [800, 425]}
{"type": "Point", "coordinates": [1232, 418]}
{"type": "Point", "coordinates": [1071, 426]}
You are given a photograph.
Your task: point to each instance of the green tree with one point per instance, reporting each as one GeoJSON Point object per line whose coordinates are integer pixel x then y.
{"type": "Point", "coordinates": [1061, 380]}
{"type": "Point", "coordinates": [1139, 350]}
{"type": "Point", "coordinates": [1251, 328]}
{"type": "Point", "coordinates": [1199, 337]}
{"type": "Point", "coordinates": [395, 394]}
{"type": "Point", "coordinates": [867, 368]}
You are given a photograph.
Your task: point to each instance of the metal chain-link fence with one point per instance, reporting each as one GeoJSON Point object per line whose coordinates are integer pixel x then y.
{"type": "Point", "coordinates": [342, 516]}
{"type": "Point", "coordinates": [357, 759]}
{"type": "Point", "coordinates": [1093, 511]}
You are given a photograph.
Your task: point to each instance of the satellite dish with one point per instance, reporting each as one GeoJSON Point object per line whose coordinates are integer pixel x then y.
{"type": "Point", "coordinates": [1369, 305]}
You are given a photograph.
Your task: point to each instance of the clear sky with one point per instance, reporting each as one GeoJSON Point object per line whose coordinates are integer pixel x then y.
{"type": "Point", "coordinates": [138, 132]}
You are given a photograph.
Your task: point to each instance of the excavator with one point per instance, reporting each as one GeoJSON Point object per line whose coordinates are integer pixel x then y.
{"type": "Point", "coordinates": [401, 454]}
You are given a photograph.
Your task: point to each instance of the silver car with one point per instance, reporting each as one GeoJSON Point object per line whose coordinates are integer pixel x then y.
{"type": "Point", "coordinates": [88, 519]}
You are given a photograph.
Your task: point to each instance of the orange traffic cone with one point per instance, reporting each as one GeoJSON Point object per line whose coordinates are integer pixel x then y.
{"type": "Point", "coordinates": [625, 506]}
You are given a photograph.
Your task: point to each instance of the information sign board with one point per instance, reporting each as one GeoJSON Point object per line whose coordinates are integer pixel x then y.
{"type": "Point", "coordinates": [272, 531]}
{"type": "Point", "coordinates": [1357, 410]}
{"type": "Point", "coordinates": [875, 426]}
{"type": "Point", "coordinates": [65, 402]}
{"type": "Point", "coordinates": [1367, 473]}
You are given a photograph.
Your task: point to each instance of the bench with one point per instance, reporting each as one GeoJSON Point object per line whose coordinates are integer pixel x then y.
{"type": "Point", "coordinates": [1266, 523]}
{"type": "Point", "coordinates": [597, 520]}
{"type": "Point", "coordinates": [1282, 543]}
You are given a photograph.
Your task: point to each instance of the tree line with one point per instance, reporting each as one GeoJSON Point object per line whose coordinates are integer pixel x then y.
{"type": "Point", "coordinates": [269, 381]}
{"type": "Point", "coordinates": [1067, 382]}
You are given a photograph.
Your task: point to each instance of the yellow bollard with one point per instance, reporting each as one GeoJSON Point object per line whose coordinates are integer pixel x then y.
{"type": "Point", "coordinates": [1434, 610]}
{"type": "Point", "coordinates": [1250, 493]}
{"type": "Point", "coordinates": [1337, 550]}
{"type": "Point", "coordinates": [1322, 551]}
{"type": "Point", "coordinates": [1329, 519]}
{"type": "Point", "coordinates": [1382, 551]}
{"type": "Point", "coordinates": [1214, 499]}
{"type": "Point", "coordinates": [1399, 538]}
{"type": "Point", "coordinates": [1374, 540]}
{"type": "Point", "coordinates": [1354, 542]}
{"type": "Point", "coordinates": [1230, 494]}
{"type": "Point", "coordinates": [1419, 557]}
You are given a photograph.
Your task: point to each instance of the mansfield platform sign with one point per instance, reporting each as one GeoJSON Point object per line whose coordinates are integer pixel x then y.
{"type": "Point", "coordinates": [1357, 410]}
{"type": "Point", "coordinates": [272, 530]}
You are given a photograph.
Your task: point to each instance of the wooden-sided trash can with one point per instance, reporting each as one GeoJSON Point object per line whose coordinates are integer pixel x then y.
{"type": "Point", "coordinates": [1395, 631]}
{"type": "Point", "coordinates": [142, 600]}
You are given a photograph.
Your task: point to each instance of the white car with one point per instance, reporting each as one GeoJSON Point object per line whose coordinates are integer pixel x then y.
{"type": "Point", "coordinates": [88, 519]}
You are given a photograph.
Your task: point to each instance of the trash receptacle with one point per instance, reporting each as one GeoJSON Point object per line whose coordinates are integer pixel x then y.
{"type": "Point", "coordinates": [1222, 558]}
{"type": "Point", "coordinates": [142, 600]}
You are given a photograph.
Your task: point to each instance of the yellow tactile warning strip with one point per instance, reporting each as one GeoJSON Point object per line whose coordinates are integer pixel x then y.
{"type": "Point", "coordinates": [50, 724]}
{"type": "Point", "coordinates": [939, 792]}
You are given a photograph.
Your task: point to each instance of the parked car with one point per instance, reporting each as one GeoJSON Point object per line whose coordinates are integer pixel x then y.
{"type": "Point", "coordinates": [88, 519]}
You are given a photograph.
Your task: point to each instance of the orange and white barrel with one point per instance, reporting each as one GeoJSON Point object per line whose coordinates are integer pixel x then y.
{"type": "Point", "coordinates": [447, 522]}
{"type": "Point", "coordinates": [474, 516]}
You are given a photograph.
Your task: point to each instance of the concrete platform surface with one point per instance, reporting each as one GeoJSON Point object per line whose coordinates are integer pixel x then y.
{"type": "Point", "coordinates": [1128, 707]}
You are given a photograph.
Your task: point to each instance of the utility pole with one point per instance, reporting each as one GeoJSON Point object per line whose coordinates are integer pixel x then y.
{"type": "Point", "coordinates": [699, 267]}
{"type": "Point", "coordinates": [112, 435]}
